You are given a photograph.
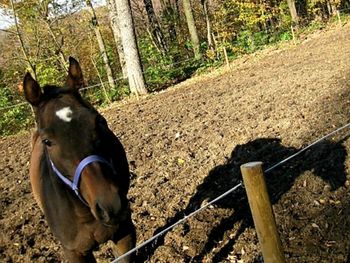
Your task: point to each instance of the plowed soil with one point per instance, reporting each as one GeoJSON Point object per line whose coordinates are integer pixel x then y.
{"type": "Point", "coordinates": [185, 147]}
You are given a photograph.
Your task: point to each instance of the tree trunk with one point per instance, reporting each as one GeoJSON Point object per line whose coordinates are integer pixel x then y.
{"type": "Point", "coordinates": [293, 12]}
{"type": "Point", "coordinates": [58, 50]}
{"type": "Point", "coordinates": [170, 18]}
{"type": "Point", "coordinates": [156, 32]}
{"type": "Point", "coordinates": [23, 48]}
{"type": "Point", "coordinates": [192, 28]}
{"type": "Point", "coordinates": [113, 16]}
{"type": "Point", "coordinates": [101, 81]}
{"type": "Point", "coordinates": [101, 44]}
{"type": "Point", "coordinates": [209, 33]}
{"type": "Point", "coordinates": [132, 58]}
{"type": "Point", "coordinates": [332, 9]}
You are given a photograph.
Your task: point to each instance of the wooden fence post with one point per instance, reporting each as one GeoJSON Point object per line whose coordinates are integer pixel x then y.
{"type": "Point", "coordinates": [338, 16]}
{"type": "Point", "coordinates": [263, 216]}
{"type": "Point", "coordinates": [293, 34]}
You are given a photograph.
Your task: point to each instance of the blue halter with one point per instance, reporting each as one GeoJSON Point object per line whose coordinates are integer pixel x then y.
{"type": "Point", "coordinates": [75, 184]}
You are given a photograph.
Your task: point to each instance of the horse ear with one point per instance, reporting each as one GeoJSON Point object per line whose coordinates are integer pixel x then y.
{"type": "Point", "coordinates": [75, 76]}
{"type": "Point", "coordinates": [32, 90]}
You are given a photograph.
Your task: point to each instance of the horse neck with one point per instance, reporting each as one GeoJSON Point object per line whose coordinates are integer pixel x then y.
{"type": "Point", "coordinates": [57, 194]}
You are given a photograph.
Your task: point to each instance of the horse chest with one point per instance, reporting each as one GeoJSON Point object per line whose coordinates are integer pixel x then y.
{"type": "Point", "coordinates": [87, 237]}
{"type": "Point", "coordinates": [78, 232]}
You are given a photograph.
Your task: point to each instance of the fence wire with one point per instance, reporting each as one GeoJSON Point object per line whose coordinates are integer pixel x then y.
{"type": "Point", "coordinates": [177, 223]}
{"type": "Point", "coordinates": [120, 78]}
{"type": "Point", "coordinates": [307, 147]}
{"type": "Point", "coordinates": [102, 83]}
{"type": "Point", "coordinates": [233, 189]}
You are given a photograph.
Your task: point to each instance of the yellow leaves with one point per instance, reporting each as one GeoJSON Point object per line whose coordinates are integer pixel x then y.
{"type": "Point", "coordinates": [226, 34]}
{"type": "Point", "coordinates": [252, 13]}
{"type": "Point", "coordinates": [211, 54]}
{"type": "Point", "coordinates": [335, 202]}
{"type": "Point", "coordinates": [323, 201]}
{"type": "Point", "coordinates": [233, 15]}
{"type": "Point", "coordinates": [180, 161]}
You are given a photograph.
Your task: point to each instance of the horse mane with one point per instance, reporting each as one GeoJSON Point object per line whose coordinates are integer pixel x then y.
{"type": "Point", "coordinates": [52, 92]}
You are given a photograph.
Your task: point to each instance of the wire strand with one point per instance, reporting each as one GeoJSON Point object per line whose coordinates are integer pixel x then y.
{"type": "Point", "coordinates": [101, 83]}
{"type": "Point", "coordinates": [307, 147]}
{"type": "Point", "coordinates": [177, 223]}
{"type": "Point", "coordinates": [224, 195]}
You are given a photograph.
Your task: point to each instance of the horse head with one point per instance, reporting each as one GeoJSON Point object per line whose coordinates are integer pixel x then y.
{"type": "Point", "coordinates": [77, 144]}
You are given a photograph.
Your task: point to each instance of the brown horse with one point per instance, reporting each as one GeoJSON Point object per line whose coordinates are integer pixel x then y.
{"type": "Point", "coordinates": [78, 171]}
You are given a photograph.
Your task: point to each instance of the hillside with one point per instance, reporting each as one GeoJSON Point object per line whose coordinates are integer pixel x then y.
{"type": "Point", "coordinates": [185, 146]}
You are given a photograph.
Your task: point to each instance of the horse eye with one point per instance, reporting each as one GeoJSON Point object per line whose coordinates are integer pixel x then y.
{"type": "Point", "coordinates": [47, 142]}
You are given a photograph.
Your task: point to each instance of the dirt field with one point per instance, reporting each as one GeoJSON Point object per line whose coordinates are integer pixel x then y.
{"type": "Point", "coordinates": [185, 147]}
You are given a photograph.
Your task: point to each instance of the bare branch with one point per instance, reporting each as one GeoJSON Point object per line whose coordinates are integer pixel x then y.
{"type": "Point", "coordinates": [9, 31]}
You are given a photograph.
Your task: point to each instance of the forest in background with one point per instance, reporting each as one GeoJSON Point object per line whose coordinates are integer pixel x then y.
{"type": "Point", "coordinates": [175, 39]}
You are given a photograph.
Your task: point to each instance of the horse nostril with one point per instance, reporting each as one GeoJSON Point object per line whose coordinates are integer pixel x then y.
{"type": "Point", "coordinates": [102, 213]}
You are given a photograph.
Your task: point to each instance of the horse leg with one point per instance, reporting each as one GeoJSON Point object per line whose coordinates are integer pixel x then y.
{"type": "Point", "coordinates": [125, 240]}
{"type": "Point", "coordinates": [75, 257]}
{"type": "Point", "coordinates": [124, 245]}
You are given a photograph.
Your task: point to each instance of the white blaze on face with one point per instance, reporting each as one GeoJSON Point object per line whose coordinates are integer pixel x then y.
{"type": "Point", "coordinates": [65, 114]}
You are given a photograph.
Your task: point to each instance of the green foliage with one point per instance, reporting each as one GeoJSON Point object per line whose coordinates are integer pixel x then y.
{"type": "Point", "coordinates": [284, 18]}
{"type": "Point", "coordinates": [247, 42]}
{"type": "Point", "coordinates": [12, 119]}
{"type": "Point", "coordinates": [97, 96]}
{"type": "Point", "coordinates": [161, 69]}
{"type": "Point", "coordinates": [316, 8]}
{"type": "Point", "coordinates": [49, 73]}
{"type": "Point", "coordinates": [286, 36]}
{"type": "Point", "coordinates": [15, 120]}
{"type": "Point", "coordinates": [52, 28]}
{"type": "Point", "coordinates": [121, 91]}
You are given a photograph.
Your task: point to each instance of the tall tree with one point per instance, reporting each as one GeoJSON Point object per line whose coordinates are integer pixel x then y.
{"type": "Point", "coordinates": [113, 17]}
{"type": "Point", "coordinates": [58, 44]}
{"type": "Point", "coordinates": [132, 57]}
{"type": "Point", "coordinates": [192, 28]}
{"type": "Point", "coordinates": [21, 41]}
{"type": "Point", "coordinates": [44, 16]}
{"type": "Point", "coordinates": [101, 44]}
{"type": "Point", "coordinates": [208, 24]}
{"type": "Point", "coordinates": [156, 32]}
{"type": "Point", "coordinates": [293, 11]}
{"type": "Point", "coordinates": [170, 15]}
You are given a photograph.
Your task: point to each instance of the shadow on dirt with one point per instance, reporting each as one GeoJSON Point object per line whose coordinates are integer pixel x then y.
{"type": "Point", "coordinates": [325, 160]}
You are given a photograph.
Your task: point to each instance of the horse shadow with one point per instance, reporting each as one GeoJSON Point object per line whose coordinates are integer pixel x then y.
{"type": "Point", "coordinates": [326, 160]}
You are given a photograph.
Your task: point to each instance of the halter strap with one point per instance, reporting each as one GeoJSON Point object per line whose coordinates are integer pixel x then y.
{"type": "Point", "coordinates": [74, 185]}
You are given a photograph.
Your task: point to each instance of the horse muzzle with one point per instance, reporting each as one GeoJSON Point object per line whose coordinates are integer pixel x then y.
{"type": "Point", "coordinates": [108, 212]}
